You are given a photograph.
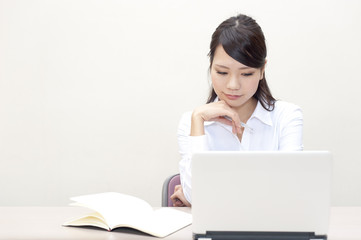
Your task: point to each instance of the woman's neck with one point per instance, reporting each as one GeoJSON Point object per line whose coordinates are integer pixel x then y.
{"type": "Point", "coordinates": [246, 110]}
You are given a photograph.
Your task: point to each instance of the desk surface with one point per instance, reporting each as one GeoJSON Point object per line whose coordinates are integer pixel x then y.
{"type": "Point", "coordinates": [46, 223]}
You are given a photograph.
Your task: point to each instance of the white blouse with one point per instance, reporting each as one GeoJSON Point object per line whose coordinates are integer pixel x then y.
{"type": "Point", "coordinates": [278, 130]}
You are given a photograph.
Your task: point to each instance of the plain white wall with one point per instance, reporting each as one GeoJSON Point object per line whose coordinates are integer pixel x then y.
{"type": "Point", "coordinates": [91, 92]}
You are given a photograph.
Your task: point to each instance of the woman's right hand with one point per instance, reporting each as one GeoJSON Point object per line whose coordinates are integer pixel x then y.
{"type": "Point", "coordinates": [216, 111]}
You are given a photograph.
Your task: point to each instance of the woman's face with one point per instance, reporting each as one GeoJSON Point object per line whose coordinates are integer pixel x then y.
{"type": "Point", "coordinates": [232, 81]}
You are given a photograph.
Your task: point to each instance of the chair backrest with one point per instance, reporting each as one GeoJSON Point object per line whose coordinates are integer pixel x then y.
{"type": "Point", "coordinates": [168, 189]}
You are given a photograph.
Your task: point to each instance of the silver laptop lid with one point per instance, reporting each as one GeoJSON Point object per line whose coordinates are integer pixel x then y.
{"type": "Point", "coordinates": [261, 191]}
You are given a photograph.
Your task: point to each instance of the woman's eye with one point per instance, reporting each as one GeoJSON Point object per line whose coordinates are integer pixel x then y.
{"type": "Point", "coordinates": [247, 74]}
{"type": "Point", "coordinates": [221, 73]}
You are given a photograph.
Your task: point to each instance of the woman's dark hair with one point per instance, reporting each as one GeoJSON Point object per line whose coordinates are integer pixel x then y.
{"type": "Point", "coordinates": [242, 39]}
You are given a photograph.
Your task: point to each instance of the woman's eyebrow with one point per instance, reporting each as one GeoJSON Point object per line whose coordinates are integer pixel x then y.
{"type": "Point", "coordinates": [241, 68]}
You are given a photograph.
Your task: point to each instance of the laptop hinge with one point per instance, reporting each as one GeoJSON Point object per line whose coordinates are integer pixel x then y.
{"type": "Point", "coordinates": [230, 235]}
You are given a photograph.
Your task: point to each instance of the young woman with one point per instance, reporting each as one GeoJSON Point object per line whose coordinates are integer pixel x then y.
{"type": "Point", "coordinates": [241, 113]}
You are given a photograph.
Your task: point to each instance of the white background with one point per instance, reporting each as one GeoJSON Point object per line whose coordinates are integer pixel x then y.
{"type": "Point", "coordinates": [91, 92]}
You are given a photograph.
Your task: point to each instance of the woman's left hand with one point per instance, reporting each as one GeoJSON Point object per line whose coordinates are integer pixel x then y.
{"type": "Point", "coordinates": [178, 197]}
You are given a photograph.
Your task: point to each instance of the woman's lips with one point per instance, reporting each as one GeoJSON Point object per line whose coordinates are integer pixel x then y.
{"type": "Point", "coordinates": [232, 97]}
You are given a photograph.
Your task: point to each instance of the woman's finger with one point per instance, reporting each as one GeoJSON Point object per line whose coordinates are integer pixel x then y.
{"type": "Point", "coordinates": [223, 120]}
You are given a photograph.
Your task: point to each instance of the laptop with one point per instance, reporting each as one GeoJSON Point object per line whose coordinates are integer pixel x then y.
{"type": "Point", "coordinates": [261, 195]}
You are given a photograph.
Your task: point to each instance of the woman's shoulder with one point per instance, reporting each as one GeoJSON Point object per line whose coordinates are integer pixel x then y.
{"type": "Point", "coordinates": [281, 106]}
{"type": "Point", "coordinates": [286, 109]}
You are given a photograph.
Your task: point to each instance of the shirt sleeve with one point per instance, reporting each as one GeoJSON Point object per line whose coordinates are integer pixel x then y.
{"type": "Point", "coordinates": [187, 146]}
{"type": "Point", "coordinates": [291, 135]}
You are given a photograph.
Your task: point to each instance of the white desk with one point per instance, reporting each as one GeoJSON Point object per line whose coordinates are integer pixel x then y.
{"type": "Point", "coordinates": [45, 223]}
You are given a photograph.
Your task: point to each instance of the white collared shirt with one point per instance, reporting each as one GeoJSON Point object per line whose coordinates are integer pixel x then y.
{"type": "Point", "coordinates": [278, 130]}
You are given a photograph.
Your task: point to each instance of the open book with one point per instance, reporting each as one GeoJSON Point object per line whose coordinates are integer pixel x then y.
{"type": "Point", "coordinates": [114, 210]}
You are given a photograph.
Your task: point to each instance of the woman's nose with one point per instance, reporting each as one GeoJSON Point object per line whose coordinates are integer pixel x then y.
{"type": "Point", "coordinates": [233, 83]}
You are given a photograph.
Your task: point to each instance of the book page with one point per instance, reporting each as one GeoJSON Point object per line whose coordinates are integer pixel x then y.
{"type": "Point", "coordinates": [94, 219]}
{"type": "Point", "coordinates": [161, 222]}
{"type": "Point", "coordinates": [115, 208]}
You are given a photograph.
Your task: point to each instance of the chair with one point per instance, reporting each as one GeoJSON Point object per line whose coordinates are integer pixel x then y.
{"type": "Point", "coordinates": [168, 189]}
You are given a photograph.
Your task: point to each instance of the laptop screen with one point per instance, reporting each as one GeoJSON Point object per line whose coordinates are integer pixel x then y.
{"type": "Point", "coordinates": [261, 191]}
